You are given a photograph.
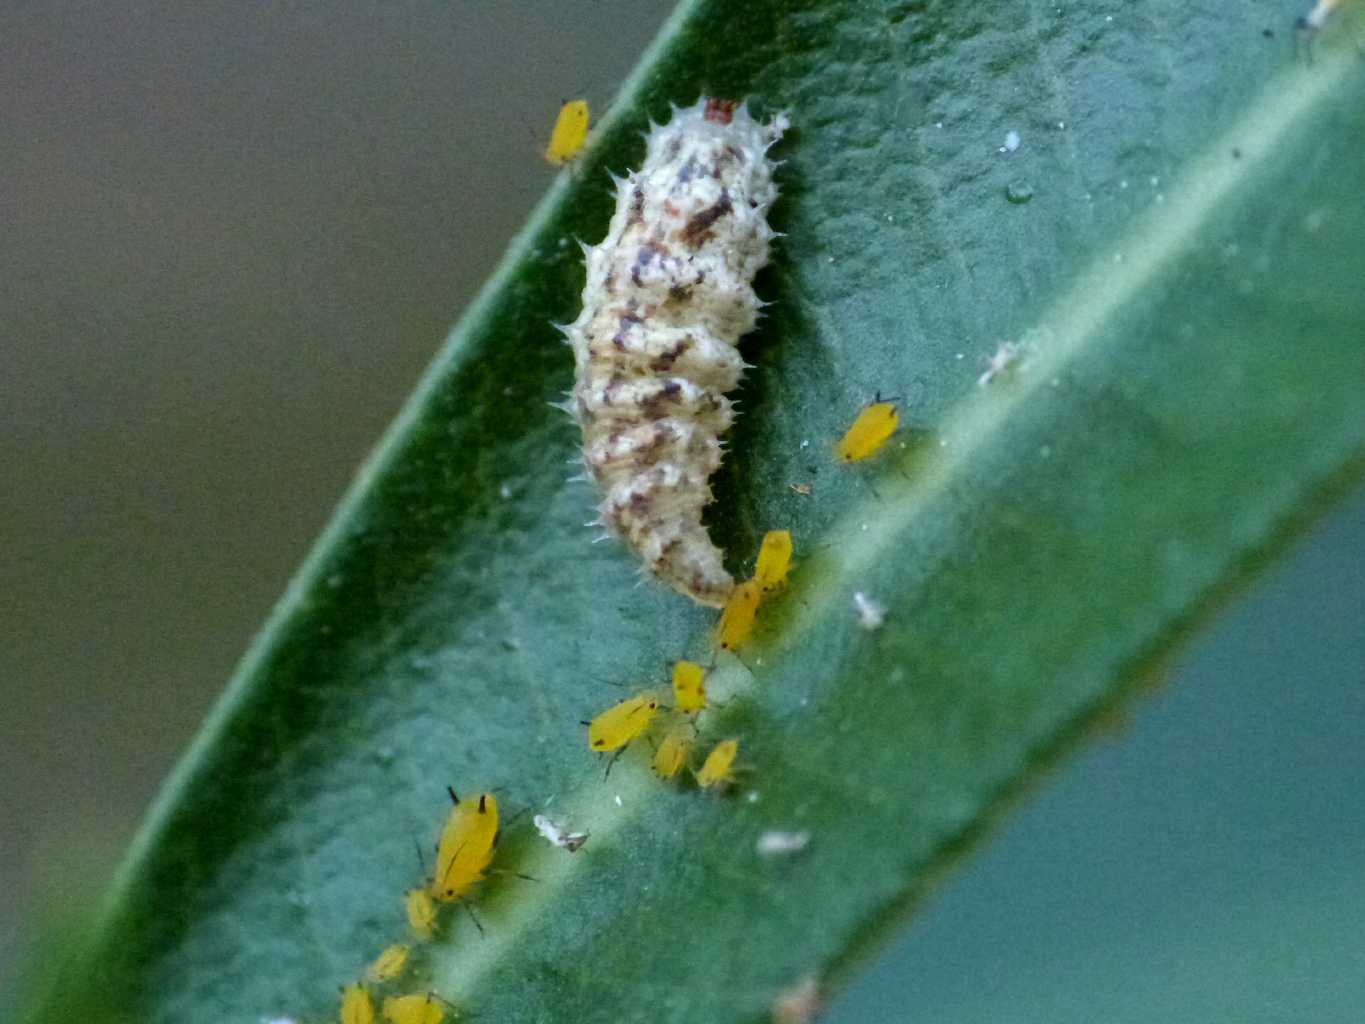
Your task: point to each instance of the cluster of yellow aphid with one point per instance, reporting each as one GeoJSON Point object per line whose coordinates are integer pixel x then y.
{"type": "Point", "coordinates": [627, 720]}
{"type": "Point", "coordinates": [470, 834]}
{"type": "Point", "coordinates": [468, 841]}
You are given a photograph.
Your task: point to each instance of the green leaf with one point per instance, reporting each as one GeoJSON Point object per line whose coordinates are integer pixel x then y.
{"type": "Point", "coordinates": [1186, 280]}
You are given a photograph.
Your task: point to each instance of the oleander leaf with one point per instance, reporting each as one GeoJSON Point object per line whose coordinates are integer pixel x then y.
{"type": "Point", "coordinates": [1175, 246]}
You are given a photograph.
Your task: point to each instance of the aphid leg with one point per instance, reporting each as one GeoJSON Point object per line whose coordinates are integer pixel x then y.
{"type": "Point", "coordinates": [612, 761]}
{"type": "Point", "coordinates": [473, 917]}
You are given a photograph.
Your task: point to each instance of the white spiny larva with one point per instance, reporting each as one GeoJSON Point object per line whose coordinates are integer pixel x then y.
{"type": "Point", "coordinates": [669, 293]}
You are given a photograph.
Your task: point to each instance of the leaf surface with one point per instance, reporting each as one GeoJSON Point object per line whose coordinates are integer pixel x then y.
{"type": "Point", "coordinates": [1175, 243]}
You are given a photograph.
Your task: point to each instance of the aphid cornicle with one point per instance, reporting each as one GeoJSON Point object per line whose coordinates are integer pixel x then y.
{"type": "Point", "coordinates": [668, 295]}
{"type": "Point", "coordinates": [689, 687]}
{"type": "Point", "coordinates": [622, 722]}
{"type": "Point", "coordinates": [467, 844]}
{"type": "Point", "coordinates": [569, 134]}
{"type": "Point", "coordinates": [774, 560]}
{"type": "Point", "coordinates": [718, 769]}
{"type": "Point", "coordinates": [870, 431]}
{"type": "Point", "coordinates": [356, 1005]}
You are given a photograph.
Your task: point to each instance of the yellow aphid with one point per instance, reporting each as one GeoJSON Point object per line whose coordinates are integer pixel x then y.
{"type": "Point", "coordinates": [774, 560]}
{"type": "Point", "coordinates": [570, 133]}
{"type": "Point", "coordinates": [869, 432]}
{"type": "Point", "coordinates": [689, 687]}
{"type": "Point", "coordinates": [622, 722]}
{"type": "Point", "coordinates": [466, 846]}
{"type": "Point", "coordinates": [737, 620]}
{"type": "Point", "coordinates": [717, 768]}
{"type": "Point", "coordinates": [356, 1005]}
{"type": "Point", "coordinates": [418, 1008]}
{"type": "Point", "coordinates": [421, 912]}
{"type": "Point", "coordinates": [671, 757]}
{"type": "Point", "coordinates": [389, 964]}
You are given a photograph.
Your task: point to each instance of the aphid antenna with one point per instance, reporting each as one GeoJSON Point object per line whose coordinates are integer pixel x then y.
{"type": "Point", "coordinates": [877, 398]}
{"type": "Point", "coordinates": [421, 861]}
{"type": "Point", "coordinates": [517, 874]}
{"type": "Point", "coordinates": [514, 818]}
{"type": "Point", "coordinates": [738, 658]}
{"type": "Point", "coordinates": [454, 799]}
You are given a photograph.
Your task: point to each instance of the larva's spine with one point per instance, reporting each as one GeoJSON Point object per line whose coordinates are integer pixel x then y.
{"type": "Point", "coordinates": [669, 293]}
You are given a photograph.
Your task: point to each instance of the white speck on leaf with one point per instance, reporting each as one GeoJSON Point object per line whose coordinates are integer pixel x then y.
{"type": "Point", "coordinates": [559, 836]}
{"type": "Point", "coordinates": [798, 1003]}
{"type": "Point", "coordinates": [871, 614]}
{"type": "Point", "coordinates": [1008, 356]}
{"type": "Point", "coordinates": [778, 844]}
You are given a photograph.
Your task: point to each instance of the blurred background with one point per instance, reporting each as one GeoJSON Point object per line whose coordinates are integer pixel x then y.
{"type": "Point", "coordinates": [231, 244]}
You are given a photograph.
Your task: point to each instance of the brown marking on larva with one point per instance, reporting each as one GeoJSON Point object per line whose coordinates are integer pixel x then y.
{"type": "Point", "coordinates": [665, 360]}
{"type": "Point", "coordinates": [718, 110]}
{"type": "Point", "coordinates": [667, 550]}
{"type": "Point", "coordinates": [697, 228]}
{"type": "Point", "coordinates": [677, 256]}
{"type": "Point", "coordinates": [643, 258]}
{"type": "Point", "coordinates": [661, 437]}
{"type": "Point", "coordinates": [637, 206]}
{"type": "Point", "coordinates": [658, 405]}
{"type": "Point", "coordinates": [628, 320]}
